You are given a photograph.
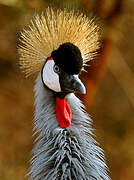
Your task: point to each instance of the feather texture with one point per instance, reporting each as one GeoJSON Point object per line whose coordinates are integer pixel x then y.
{"type": "Point", "coordinates": [64, 154]}
{"type": "Point", "coordinates": [49, 30]}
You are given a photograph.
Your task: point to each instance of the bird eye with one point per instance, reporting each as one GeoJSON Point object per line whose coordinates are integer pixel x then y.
{"type": "Point", "coordinates": [56, 69]}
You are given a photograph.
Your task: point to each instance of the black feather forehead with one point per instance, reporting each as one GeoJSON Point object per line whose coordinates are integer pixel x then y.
{"type": "Point", "coordinates": [68, 57]}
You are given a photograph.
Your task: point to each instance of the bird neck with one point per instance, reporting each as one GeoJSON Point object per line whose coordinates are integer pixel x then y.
{"type": "Point", "coordinates": [64, 152]}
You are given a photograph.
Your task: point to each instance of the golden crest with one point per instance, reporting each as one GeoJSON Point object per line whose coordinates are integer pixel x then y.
{"type": "Point", "coordinates": [49, 30]}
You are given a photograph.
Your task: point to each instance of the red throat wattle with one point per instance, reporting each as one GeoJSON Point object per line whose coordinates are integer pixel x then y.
{"type": "Point", "coordinates": [63, 112]}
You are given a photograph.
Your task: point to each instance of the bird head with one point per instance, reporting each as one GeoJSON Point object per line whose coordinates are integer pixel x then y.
{"type": "Point", "coordinates": [61, 70]}
{"type": "Point", "coordinates": [59, 44]}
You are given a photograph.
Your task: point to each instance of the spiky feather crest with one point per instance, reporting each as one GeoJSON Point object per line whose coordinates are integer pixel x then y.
{"type": "Point", "coordinates": [49, 30]}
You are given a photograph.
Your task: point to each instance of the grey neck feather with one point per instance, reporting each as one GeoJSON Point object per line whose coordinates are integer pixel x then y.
{"type": "Point", "coordinates": [64, 154]}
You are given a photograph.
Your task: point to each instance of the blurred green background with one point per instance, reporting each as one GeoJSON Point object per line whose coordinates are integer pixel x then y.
{"type": "Point", "coordinates": [109, 83]}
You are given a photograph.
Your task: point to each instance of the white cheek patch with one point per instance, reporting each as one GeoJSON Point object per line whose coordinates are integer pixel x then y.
{"type": "Point", "coordinates": [49, 77]}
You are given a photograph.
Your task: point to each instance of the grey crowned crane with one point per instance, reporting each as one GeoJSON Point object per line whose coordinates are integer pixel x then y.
{"type": "Point", "coordinates": [57, 45]}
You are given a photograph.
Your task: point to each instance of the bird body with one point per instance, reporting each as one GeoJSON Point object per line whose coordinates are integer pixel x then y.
{"type": "Point", "coordinates": [64, 146]}
{"type": "Point", "coordinates": [61, 154]}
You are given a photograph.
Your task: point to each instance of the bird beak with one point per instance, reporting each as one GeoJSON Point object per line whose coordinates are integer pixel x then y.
{"type": "Point", "coordinates": [78, 86]}
{"type": "Point", "coordinates": [71, 83]}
